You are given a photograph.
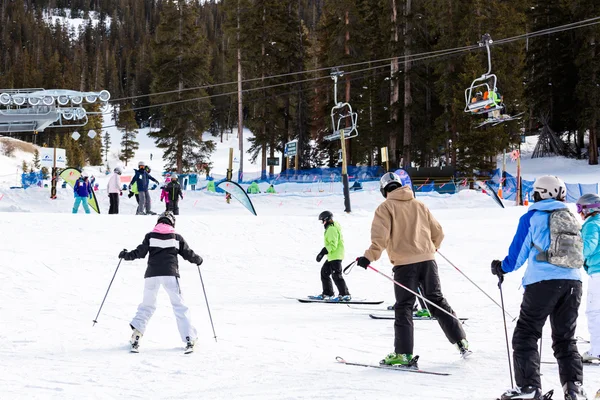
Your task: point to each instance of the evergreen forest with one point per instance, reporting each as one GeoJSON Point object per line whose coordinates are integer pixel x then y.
{"type": "Point", "coordinates": [173, 65]}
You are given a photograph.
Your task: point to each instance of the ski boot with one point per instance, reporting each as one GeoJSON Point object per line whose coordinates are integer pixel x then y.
{"type": "Point", "coordinates": [589, 357]}
{"type": "Point", "coordinates": [323, 297]}
{"type": "Point", "coordinates": [190, 345]}
{"type": "Point", "coordinates": [463, 346]}
{"type": "Point", "coordinates": [341, 298]}
{"type": "Point", "coordinates": [527, 392]}
{"type": "Point", "coordinates": [574, 391]}
{"type": "Point", "coordinates": [401, 360]}
{"type": "Point", "coordinates": [135, 340]}
{"type": "Point", "coordinates": [424, 313]}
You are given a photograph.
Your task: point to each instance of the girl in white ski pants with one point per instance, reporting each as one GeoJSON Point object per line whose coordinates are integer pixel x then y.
{"type": "Point", "coordinates": [148, 306]}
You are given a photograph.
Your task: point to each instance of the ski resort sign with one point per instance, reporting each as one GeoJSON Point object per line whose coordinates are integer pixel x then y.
{"type": "Point", "coordinates": [48, 155]}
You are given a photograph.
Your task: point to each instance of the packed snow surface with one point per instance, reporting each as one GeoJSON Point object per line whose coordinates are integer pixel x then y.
{"type": "Point", "coordinates": [57, 266]}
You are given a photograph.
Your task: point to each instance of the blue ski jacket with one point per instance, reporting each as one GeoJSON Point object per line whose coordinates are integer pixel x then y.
{"type": "Point", "coordinates": [82, 188]}
{"type": "Point", "coordinates": [534, 228]}
{"type": "Point", "coordinates": [591, 244]}
{"type": "Point", "coordinates": [142, 178]}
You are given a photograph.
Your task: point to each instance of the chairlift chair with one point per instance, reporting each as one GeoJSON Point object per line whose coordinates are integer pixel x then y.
{"type": "Point", "coordinates": [489, 102]}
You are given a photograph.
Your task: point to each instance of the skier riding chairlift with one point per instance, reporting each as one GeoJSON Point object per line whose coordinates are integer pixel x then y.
{"type": "Point", "coordinates": [482, 96]}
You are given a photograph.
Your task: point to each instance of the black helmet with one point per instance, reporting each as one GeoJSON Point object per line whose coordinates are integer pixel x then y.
{"type": "Point", "coordinates": [166, 218]}
{"type": "Point", "coordinates": [388, 182]}
{"type": "Point", "coordinates": [325, 216]}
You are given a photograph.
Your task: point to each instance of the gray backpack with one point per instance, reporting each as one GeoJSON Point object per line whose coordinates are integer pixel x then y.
{"type": "Point", "coordinates": [566, 244]}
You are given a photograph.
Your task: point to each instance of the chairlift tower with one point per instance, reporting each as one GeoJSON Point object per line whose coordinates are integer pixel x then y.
{"type": "Point", "coordinates": [34, 110]}
{"type": "Point", "coordinates": [342, 112]}
{"type": "Point", "coordinates": [27, 110]}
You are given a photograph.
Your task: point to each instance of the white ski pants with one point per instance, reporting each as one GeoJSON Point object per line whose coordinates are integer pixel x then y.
{"type": "Point", "coordinates": [148, 306]}
{"type": "Point", "coordinates": [593, 313]}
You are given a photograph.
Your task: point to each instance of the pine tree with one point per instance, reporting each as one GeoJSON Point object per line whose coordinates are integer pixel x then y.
{"type": "Point", "coordinates": [36, 160]}
{"type": "Point", "coordinates": [181, 60]}
{"type": "Point", "coordinates": [24, 167]}
{"type": "Point", "coordinates": [127, 124]}
{"type": "Point", "coordinates": [106, 147]}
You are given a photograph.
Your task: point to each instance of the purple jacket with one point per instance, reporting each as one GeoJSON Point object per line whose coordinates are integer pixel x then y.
{"type": "Point", "coordinates": [82, 188]}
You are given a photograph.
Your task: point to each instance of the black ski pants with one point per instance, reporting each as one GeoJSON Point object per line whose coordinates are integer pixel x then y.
{"type": "Point", "coordinates": [173, 206]}
{"type": "Point", "coordinates": [333, 269]}
{"type": "Point", "coordinates": [426, 275]}
{"type": "Point", "coordinates": [114, 203]}
{"type": "Point", "coordinates": [559, 299]}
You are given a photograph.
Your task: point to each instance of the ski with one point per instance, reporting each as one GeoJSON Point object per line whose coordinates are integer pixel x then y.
{"type": "Point", "coordinates": [353, 301]}
{"type": "Point", "coordinates": [134, 348]}
{"type": "Point", "coordinates": [391, 367]}
{"type": "Point", "coordinates": [597, 364]}
{"type": "Point", "coordinates": [189, 350]}
{"type": "Point", "coordinates": [547, 396]}
{"type": "Point", "coordinates": [415, 318]}
{"type": "Point", "coordinates": [378, 309]}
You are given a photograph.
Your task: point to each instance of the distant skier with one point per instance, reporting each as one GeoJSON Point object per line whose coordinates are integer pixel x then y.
{"type": "Point", "coordinates": [552, 285]}
{"type": "Point", "coordinates": [174, 193]}
{"type": "Point", "coordinates": [142, 178]}
{"type": "Point", "coordinates": [332, 268]}
{"type": "Point", "coordinates": [588, 207]}
{"type": "Point", "coordinates": [83, 191]}
{"type": "Point", "coordinates": [406, 229]}
{"type": "Point", "coordinates": [164, 196]}
{"type": "Point", "coordinates": [114, 190]}
{"type": "Point", "coordinates": [163, 245]}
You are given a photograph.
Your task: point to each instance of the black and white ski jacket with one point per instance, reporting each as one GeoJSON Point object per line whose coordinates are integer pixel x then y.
{"type": "Point", "coordinates": [164, 245]}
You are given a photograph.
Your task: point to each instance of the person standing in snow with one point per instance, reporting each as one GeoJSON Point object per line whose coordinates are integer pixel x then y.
{"type": "Point", "coordinates": [406, 229]}
{"type": "Point", "coordinates": [163, 193]}
{"type": "Point", "coordinates": [83, 192]}
{"type": "Point", "coordinates": [550, 290]}
{"type": "Point", "coordinates": [163, 246]}
{"type": "Point", "coordinates": [332, 268]}
{"type": "Point", "coordinates": [174, 193]}
{"type": "Point", "coordinates": [142, 178]}
{"type": "Point", "coordinates": [588, 207]}
{"type": "Point", "coordinates": [114, 190]}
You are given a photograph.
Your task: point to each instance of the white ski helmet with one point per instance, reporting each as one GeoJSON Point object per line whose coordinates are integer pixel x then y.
{"type": "Point", "coordinates": [588, 204]}
{"type": "Point", "coordinates": [141, 164]}
{"type": "Point", "coordinates": [549, 187]}
{"type": "Point", "coordinates": [388, 182]}
{"type": "Point", "coordinates": [118, 170]}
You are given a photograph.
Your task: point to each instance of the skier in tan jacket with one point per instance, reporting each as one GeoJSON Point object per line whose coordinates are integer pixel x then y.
{"type": "Point", "coordinates": [406, 229]}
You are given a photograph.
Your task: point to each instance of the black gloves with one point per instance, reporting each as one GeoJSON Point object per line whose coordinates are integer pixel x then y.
{"type": "Point", "coordinates": [363, 262]}
{"type": "Point", "coordinates": [497, 270]}
{"type": "Point", "coordinates": [321, 254]}
{"type": "Point", "coordinates": [197, 260]}
{"type": "Point", "coordinates": [123, 253]}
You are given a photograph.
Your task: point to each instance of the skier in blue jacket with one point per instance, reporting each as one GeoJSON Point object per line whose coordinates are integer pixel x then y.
{"type": "Point", "coordinates": [142, 178]}
{"type": "Point", "coordinates": [588, 207]}
{"type": "Point", "coordinates": [550, 291]}
{"type": "Point", "coordinates": [82, 191]}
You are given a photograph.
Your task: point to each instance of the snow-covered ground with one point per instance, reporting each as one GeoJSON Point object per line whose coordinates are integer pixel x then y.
{"type": "Point", "coordinates": [56, 268]}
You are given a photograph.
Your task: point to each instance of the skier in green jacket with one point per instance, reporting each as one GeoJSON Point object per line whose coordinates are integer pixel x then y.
{"type": "Point", "coordinates": [332, 268]}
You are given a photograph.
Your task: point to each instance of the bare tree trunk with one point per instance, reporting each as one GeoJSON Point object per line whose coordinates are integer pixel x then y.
{"type": "Point", "coordinates": [407, 86]}
{"type": "Point", "coordinates": [349, 118]}
{"type": "Point", "coordinates": [240, 105]}
{"type": "Point", "coordinates": [394, 93]}
{"type": "Point", "coordinates": [179, 151]}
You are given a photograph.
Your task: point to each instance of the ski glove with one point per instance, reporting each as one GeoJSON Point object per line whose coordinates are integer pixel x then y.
{"type": "Point", "coordinates": [321, 254]}
{"type": "Point", "coordinates": [197, 260]}
{"type": "Point", "coordinates": [363, 262]}
{"type": "Point", "coordinates": [123, 254]}
{"type": "Point", "coordinates": [497, 269]}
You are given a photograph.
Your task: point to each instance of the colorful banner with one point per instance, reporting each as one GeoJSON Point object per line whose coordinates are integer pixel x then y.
{"type": "Point", "coordinates": [70, 175]}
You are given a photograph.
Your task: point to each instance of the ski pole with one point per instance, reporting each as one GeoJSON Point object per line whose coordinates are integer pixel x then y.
{"type": "Point", "coordinates": [477, 286]}
{"type": "Point", "coordinates": [109, 285]}
{"type": "Point", "coordinates": [500, 279]}
{"type": "Point", "coordinates": [416, 294]}
{"type": "Point", "coordinates": [207, 307]}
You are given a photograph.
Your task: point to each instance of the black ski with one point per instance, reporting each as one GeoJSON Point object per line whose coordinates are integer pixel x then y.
{"type": "Point", "coordinates": [392, 367]}
{"type": "Point", "coordinates": [415, 318]}
{"type": "Point", "coordinates": [353, 301]}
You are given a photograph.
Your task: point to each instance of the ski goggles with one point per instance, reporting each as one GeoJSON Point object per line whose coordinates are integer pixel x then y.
{"type": "Point", "coordinates": [581, 207]}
